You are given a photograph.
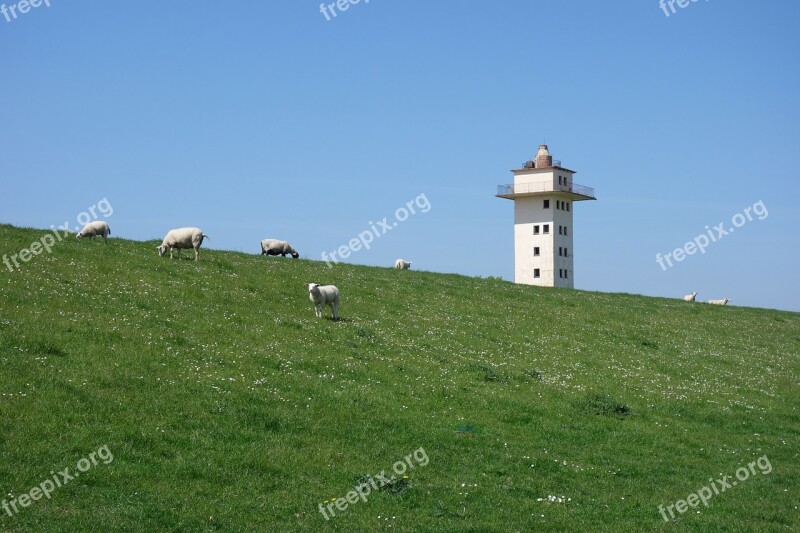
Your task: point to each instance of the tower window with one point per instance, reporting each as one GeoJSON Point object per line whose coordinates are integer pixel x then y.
{"type": "Point", "coordinates": [567, 206]}
{"type": "Point", "coordinates": [547, 204]}
{"type": "Point", "coordinates": [565, 253]}
{"type": "Point", "coordinates": [566, 274]}
{"type": "Point", "coordinates": [560, 230]}
{"type": "Point", "coordinates": [559, 180]}
{"type": "Point", "coordinates": [536, 251]}
{"type": "Point", "coordinates": [565, 230]}
{"type": "Point", "coordinates": [536, 229]}
{"type": "Point", "coordinates": [536, 273]}
{"type": "Point", "coordinates": [546, 229]}
{"type": "Point", "coordinates": [560, 251]}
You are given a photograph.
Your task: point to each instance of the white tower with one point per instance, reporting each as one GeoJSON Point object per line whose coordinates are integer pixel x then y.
{"type": "Point", "coordinates": [543, 194]}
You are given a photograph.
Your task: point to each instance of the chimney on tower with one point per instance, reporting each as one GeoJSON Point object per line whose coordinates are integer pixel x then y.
{"type": "Point", "coordinates": [543, 157]}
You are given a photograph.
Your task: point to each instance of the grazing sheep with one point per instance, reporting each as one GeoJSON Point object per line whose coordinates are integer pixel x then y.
{"type": "Point", "coordinates": [690, 297]}
{"type": "Point", "coordinates": [322, 295]}
{"type": "Point", "coordinates": [720, 302]}
{"type": "Point", "coordinates": [183, 238]}
{"type": "Point", "coordinates": [93, 229]}
{"type": "Point", "coordinates": [402, 265]}
{"type": "Point", "coordinates": [276, 247]}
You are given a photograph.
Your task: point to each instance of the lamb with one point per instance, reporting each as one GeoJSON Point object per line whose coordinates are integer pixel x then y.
{"type": "Point", "coordinates": [183, 238]}
{"type": "Point", "coordinates": [93, 229]}
{"type": "Point", "coordinates": [322, 295]}
{"type": "Point", "coordinates": [720, 302]}
{"type": "Point", "coordinates": [276, 247]}
{"type": "Point", "coordinates": [690, 297]}
{"type": "Point", "coordinates": [402, 264]}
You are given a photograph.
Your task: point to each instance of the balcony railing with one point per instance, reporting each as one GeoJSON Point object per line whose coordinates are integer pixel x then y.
{"type": "Point", "coordinates": [544, 186]}
{"type": "Point", "coordinates": [532, 164]}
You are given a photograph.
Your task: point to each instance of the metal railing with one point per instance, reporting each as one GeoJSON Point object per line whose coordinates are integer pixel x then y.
{"type": "Point", "coordinates": [531, 163]}
{"type": "Point", "coordinates": [544, 186]}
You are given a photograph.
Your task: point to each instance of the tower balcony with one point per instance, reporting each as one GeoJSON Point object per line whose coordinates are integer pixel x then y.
{"type": "Point", "coordinates": [521, 190]}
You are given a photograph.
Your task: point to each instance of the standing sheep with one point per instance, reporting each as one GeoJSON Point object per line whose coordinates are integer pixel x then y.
{"type": "Point", "coordinates": [322, 295]}
{"type": "Point", "coordinates": [690, 297]}
{"type": "Point", "coordinates": [93, 229]}
{"type": "Point", "coordinates": [183, 238]}
{"type": "Point", "coordinates": [720, 302]}
{"type": "Point", "coordinates": [276, 247]}
{"type": "Point", "coordinates": [402, 265]}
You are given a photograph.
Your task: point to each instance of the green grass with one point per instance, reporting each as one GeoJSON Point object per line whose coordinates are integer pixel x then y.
{"type": "Point", "coordinates": [228, 406]}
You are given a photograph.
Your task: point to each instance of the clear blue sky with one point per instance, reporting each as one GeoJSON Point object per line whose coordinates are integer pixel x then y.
{"type": "Point", "coordinates": [256, 119]}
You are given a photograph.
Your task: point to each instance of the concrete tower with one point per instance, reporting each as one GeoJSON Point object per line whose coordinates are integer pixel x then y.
{"type": "Point", "coordinates": [544, 195]}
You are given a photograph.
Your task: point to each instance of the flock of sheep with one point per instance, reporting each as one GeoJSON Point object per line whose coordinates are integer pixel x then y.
{"type": "Point", "coordinates": [185, 238]}
{"type": "Point", "coordinates": [320, 295]}
{"type": "Point", "coordinates": [693, 296]}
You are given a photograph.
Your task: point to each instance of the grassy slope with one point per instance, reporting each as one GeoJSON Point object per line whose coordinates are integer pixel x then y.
{"type": "Point", "coordinates": [228, 405]}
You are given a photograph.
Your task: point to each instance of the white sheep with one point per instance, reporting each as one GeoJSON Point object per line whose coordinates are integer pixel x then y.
{"type": "Point", "coordinates": [720, 302]}
{"type": "Point", "coordinates": [402, 264]}
{"type": "Point", "coordinates": [690, 297]}
{"type": "Point", "coordinates": [183, 238]}
{"type": "Point", "coordinates": [93, 229]}
{"type": "Point", "coordinates": [276, 247]}
{"type": "Point", "coordinates": [322, 295]}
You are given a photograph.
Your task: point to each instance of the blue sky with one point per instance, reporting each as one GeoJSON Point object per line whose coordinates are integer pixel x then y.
{"type": "Point", "coordinates": [263, 119]}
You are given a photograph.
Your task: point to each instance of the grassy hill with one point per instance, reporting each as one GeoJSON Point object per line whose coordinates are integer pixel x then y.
{"type": "Point", "coordinates": [228, 406]}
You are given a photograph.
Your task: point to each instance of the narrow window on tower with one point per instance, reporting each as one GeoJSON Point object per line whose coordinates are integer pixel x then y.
{"type": "Point", "coordinates": [535, 272]}
{"type": "Point", "coordinates": [546, 229]}
{"type": "Point", "coordinates": [567, 206]}
{"type": "Point", "coordinates": [560, 251]}
{"type": "Point", "coordinates": [536, 229]}
{"type": "Point", "coordinates": [565, 253]}
{"type": "Point", "coordinates": [547, 204]}
{"type": "Point", "coordinates": [559, 230]}
{"type": "Point", "coordinates": [535, 251]}
{"type": "Point", "coordinates": [566, 274]}
{"type": "Point", "coordinates": [565, 230]}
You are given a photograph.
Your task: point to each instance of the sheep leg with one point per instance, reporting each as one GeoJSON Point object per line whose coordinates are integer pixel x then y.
{"type": "Point", "coordinates": [196, 253]}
